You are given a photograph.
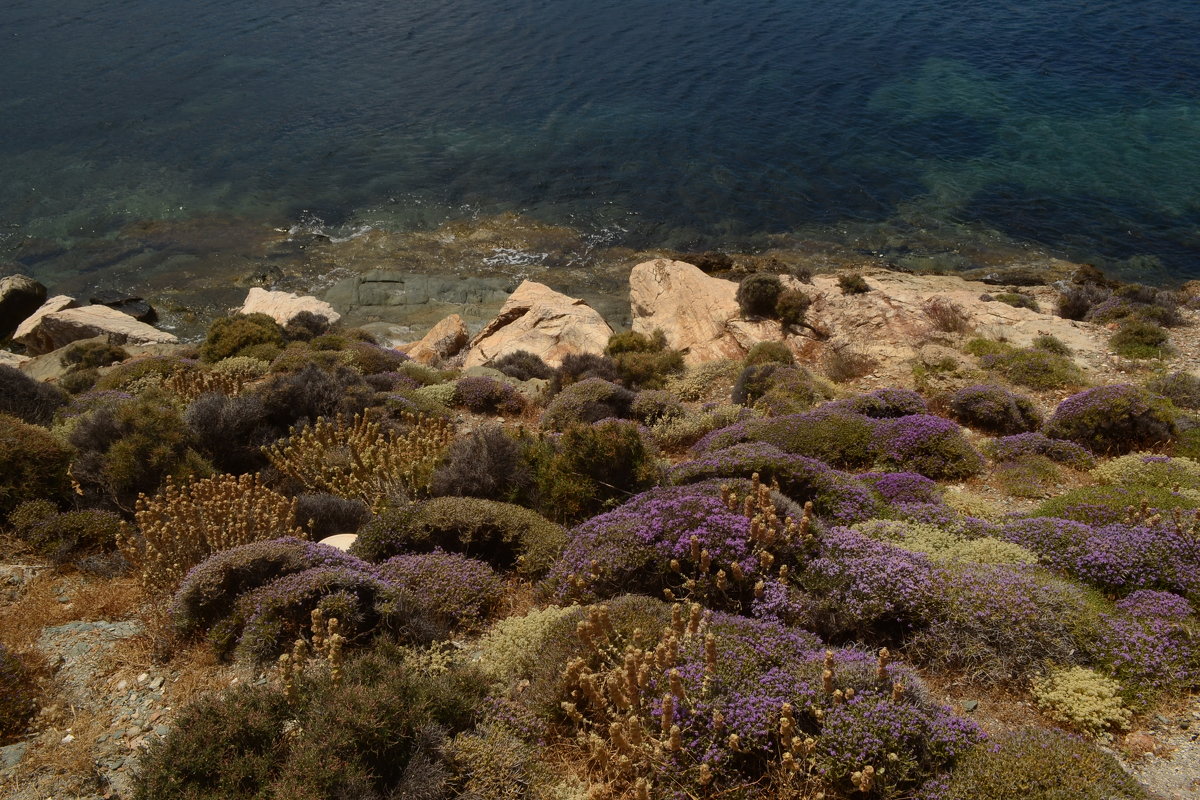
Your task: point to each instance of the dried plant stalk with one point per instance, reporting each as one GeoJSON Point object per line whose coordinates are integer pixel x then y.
{"type": "Point", "coordinates": [183, 525]}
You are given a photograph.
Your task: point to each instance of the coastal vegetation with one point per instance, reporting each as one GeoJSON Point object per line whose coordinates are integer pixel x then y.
{"type": "Point", "coordinates": [627, 575]}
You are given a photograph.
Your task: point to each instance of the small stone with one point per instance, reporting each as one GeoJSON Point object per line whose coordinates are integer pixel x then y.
{"type": "Point", "coordinates": [145, 676]}
{"type": "Point", "coordinates": [133, 732]}
{"type": "Point", "coordinates": [970, 706]}
{"type": "Point", "coordinates": [162, 730]}
{"type": "Point", "coordinates": [70, 737]}
{"type": "Point", "coordinates": [157, 682]}
{"type": "Point", "coordinates": [122, 686]}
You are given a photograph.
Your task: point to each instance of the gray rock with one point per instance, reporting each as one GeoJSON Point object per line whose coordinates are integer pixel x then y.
{"type": "Point", "coordinates": [132, 305]}
{"type": "Point", "coordinates": [20, 296]}
{"type": "Point", "coordinates": [11, 756]}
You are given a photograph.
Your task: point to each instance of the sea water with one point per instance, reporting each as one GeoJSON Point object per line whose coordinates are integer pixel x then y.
{"type": "Point", "coordinates": [159, 137]}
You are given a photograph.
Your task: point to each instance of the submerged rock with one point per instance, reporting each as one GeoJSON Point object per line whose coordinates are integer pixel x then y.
{"type": "Point", "coordinates": [132, 305]}
{"type": "Point", "coordinates": [537, 319]}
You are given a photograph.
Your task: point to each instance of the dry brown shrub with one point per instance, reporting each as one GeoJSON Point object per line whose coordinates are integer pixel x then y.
{"type": "Point", "coordinates": [356, 459]}
{"type": "Point", "coordinates": [947, 316]}
{"type": "Point", "coordinates": [844, 362]}
{"type": "Point", "coordinates": [183, 525]}
{"type": "Point", "coordinates": [188, 385]}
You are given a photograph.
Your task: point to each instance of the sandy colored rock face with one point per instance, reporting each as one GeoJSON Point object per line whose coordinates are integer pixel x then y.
{"type": "Point", "coordinates": [444, 340]}
{"type": "Point", "coordinates": [56, 303]}
{"type": "Point", "coordinates": [698, 313]}
{"type": "Point", "coordinates": [541, 321]}
{"type": "Point", "coordinates": [284, 306]}
{"type": "Point", "coordinates": [60, 328]}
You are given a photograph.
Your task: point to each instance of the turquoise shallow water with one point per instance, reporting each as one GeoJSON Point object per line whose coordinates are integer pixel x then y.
{"type": "Point", "coordinates": [1070, 126]}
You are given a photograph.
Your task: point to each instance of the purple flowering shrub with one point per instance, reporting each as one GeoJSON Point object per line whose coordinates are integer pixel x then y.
{"type": "Point", "coordinates": [932, 446]}
{"type": "Point", "coordinates": [482, 395]}
{"type": "Point", "coordinates": [1119, 559]}
{"type": "Point", "coordinates": [1113, 419]}
{"type": "Point", "coordinates": [1036, 443]}
{"type": "Point", "coordinates": [265, 620]}
{"type": "Point", "coordinates": [942, 516]}
{"type": "Point", "coordinates": [688, 542]}
{"type": "Point", "coordinates": [210, 590]}
{"type": "Point", "coordinates": [458, 591]}
{"type": "Point", "coordinates": [835, 495]}
{"type": "Point", "coordinates": [996, 624]}
{"type": "Point", "coordinates": [994, 409]}
{"type": "Point", "coordinates": [1149, 654]}
{"type": "Point", "coordinates": [739, 705]}
{"type": "Point", "coordinates": [866, 589]}
{"type": "Point", "coordinates": [1149, 603]}
{"type": "Point", "coordinates": [903, 487]}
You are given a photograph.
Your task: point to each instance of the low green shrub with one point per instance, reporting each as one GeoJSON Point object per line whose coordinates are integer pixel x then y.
{"type": "Point", "coordinates": [1028, 476]}
{"type": "Point", "coordinates": [1181, 388]}
{"type": "Point", "coordinates": [1101, 505]}
{"type": "Point", "coordinates": [1032, 367]}
{"type": "Point", "coordinates": [994, 409]}
{"type": "Point", "coordinates": [1082, 698]}
{"type": "Point", "coordinates": [591, 467]}
{"type": "Point", "coordinates": [1051, 344]}
{"type": "Point", "coordinates": [487, 463]}
{"type": "Point", "coordinates": [1139, 339]}
{"type": "Point", "coordinates": [1149, 469]}
{"type": "Point", "coordinates": [63, 537]}
{"type": "Point", "coordinates": [139, 374]}
{"type": "Point", "coordinates": [92, 354]}
{"type": "Point", "coordinates": [653, 406]}
{"type": "Point", "coordinates": [523, 365]}
{"type": "Point", "coordinates": [33, 464]}
{"type": "Point", "coordinates": [235, 335]}
{"type": "Point", "coordinates": [792, 307]}
{"type": "Point", "coordinates": [505, 535]}
{"type": "Point", "coordinates": [769, 353]}
{"type": "Point", "coordinates": [1039, 764]}
{"type": "Point", "coordinates": [590, 400]}
{"type": "Point", "coordinates": [1017, 300]}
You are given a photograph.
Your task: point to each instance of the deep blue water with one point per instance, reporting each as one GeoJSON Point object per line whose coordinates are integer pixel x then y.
{"type": "Point", "coordinates": [1073, 125]}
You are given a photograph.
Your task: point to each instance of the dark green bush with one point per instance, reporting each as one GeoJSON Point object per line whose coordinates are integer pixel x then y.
{"type": "Point", "coordinates": [591, 467]}
{"type": "Point", "coordinates": [853, 283]}
{"type": "Point", "coordinates": [26, 399]}
{"type": "Point", "coordinates": [298, 355]}
{"type": "Point", "coordinates": [839, 438]}
{"type": "Point", "coordinates": [231, 431]}
{"type": "Point", "coordinates": [1077, 301]}
{"type": "Point", "coordinates": [487, 464]}
{"type": "Point", "coordinates": [634, 342]}
{"type": "Point", "coordinates": [643, 362]}
{"type": "Point", "coordinates": [590, 400]}
{"type": "Point", "coordinates": [91, 354]}
{"type": "Point", "coordinates": [62, 537]}
{"type": "Point", "coordinates": [758, 294]}
{"type": "Point", "coordinates": [656, 405]}
{"type": "Point", "coordinates": [324, 515]}
{"type": "Point", "coordinates": [377, 733]}
{"type": "Point", "coordinates": [1138, 339]}
{"type": "Point", "coordinates": [1051, 344]}
{"type": "Point", "coordinates": [78, 381]}
{"type": "Point", "coordinates": [1017, 300]}
{"type": "Point", "coordinates": [753, 382]}
{"type": "Point", "coordinates": [791, 308]}
{"type": "Point", "coordinates": [33, 464]}
{"type": "Point", "coordinates": [305, 326]}
{"type": "Point", "coordinates": [1039, 764]}
{"type": "Point", "coordinates": [310, 393]}
{"type": "Point", "coordinates": [504, 535]}
{"type": "Point", "coordinates": [769, 353]}
{"type": "Point", "coordinates": [232, 336]}
{"type": "Point", "coordinates": [1181, 388]}
{"type": "Point", "coordinates": [371, 359]}
{"type": "Point", "coordinates": [130, 446]}
{"type": "Point", "coordinates": [1113, 419]}
{"type": "Point", "coordinates": [523, 365]}
{"type": "Point", "coordinates": [578, 367]}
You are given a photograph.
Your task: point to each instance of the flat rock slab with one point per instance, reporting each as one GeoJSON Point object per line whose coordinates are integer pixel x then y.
{"type": "Point", "coordinates": [59, 328]}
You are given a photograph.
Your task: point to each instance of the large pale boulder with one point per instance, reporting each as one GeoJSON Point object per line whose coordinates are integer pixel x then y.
{"type": "Point", "coordinates": [444, 340]}
{"type": "Point", "coordinates": [56, 303]}
{"type": "Point", "coordinates": [20, 296]}
{"type": "Point", "coordinates": [541, 321]}
{"type": "Point", "coordinates": [59, 328]}
{"type": "Point", "coordinates": [284, 306]}
{"type": "Point", "coordinates": [697, 313]}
